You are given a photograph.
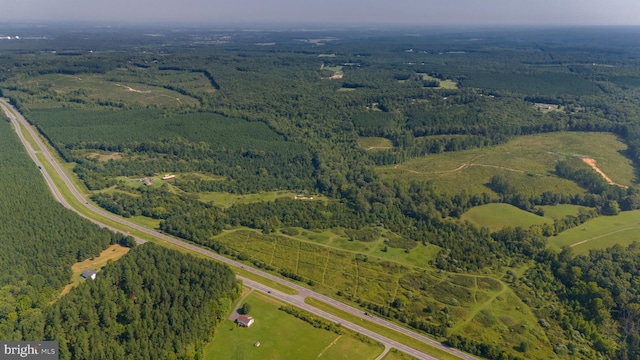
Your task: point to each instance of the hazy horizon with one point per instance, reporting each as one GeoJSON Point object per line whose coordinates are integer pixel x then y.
{"type": "Point", "coordinates": [357, 12]}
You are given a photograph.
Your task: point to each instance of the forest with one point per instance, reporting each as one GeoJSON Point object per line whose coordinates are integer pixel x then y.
{"type": "Point", "coordinates": [229, 117]}
{"type": "Point", "coordinates": [131, 307]}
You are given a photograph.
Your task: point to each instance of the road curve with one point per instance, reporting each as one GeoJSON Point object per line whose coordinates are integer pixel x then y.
{"type": "Point", "coordinates": [297, 300]}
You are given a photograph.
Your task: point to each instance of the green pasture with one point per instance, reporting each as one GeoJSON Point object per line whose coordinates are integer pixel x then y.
{"type": "Point", "coordinates": [561, 210]}
{"type": "Point", "coordinates": [599, 233]}
{"type": "Point", "coordinates": [444, 84]}
{"type": "Point", "coordinates": [497, 216]}
{"type": "Point", "coordinates": [283, 336]}
{"type": "Point", "coordinates": [375, 143]}
{"type": "Point", "coordinates": [528, 162]}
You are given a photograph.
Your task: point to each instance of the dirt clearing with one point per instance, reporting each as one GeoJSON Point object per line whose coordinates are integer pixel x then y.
{"type": "Point", "coordinates": [591, 162]}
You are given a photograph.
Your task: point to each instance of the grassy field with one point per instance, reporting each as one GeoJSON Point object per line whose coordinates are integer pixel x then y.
{"type": "Point", "coordinates": [86, 87]}
{"type": "Point", "coordinates": [375, 143]}
{"type": "Point", "coordinates": [444, 84]}
{"type": "Point", "coordinates": [469, 299]}
{"type": "Point", "coordinates": [496, 216]}
{"type": "Point", "coordinates": [394, 354]}
{"type": "Point", "coordinates": [336, 69]}
{"type": "Point", "coordinates": [561, 210]}
{"type": "Point", "coordinates": [600, 233]}
{"type": "Point", "coordinates": [391, 334]}
{"type": "Point", "coordinates": [418, 255]}
{"type": "Point", "coordinates": [283, 336]}
{"type": "Point", "coordinates": [112, 253]}
{"type": "Point", "coordinates": [527, 162]}
{"type": "Point", "coordinates": [224, 200]}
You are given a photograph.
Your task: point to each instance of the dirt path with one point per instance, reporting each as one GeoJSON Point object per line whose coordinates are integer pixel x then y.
{"type": "Point", "coordinates": [234, 314]}
{"type": "Point", "coordinates": [481, 307]}
{"type": "Point", "coordinates": [591, 162]}
{"type": "Point", "coordinates": [498, 167]}
{"type": "Point", "coordinates": [328, 346]}
{"type": "Point", "coordinates": [603, 235]}
{"type": "Point", "coordinates": [134, 90]}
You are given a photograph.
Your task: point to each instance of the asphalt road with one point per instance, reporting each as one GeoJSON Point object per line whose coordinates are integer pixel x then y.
{"type": "Point", "coordinates": [297, 300]}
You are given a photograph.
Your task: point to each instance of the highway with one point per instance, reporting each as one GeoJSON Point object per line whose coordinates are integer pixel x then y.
{"type": "Point", "coordinates": [296, 300]}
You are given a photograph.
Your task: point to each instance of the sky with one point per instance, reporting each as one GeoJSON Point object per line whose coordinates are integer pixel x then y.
{"type": "Point", "coordinates": [348, 12]}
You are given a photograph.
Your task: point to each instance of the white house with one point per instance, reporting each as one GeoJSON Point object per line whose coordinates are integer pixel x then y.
{"type": "Point", "coordinates": [245, 320]}
{"type": "Point", "coordinates": [88, 274]}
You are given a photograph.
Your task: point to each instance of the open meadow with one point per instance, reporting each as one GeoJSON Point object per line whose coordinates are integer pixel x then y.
{"type": "Point", "coordinates": [284, 337]}
{"type": "Point", "coordinates": [89, 88]}
{"type": "Point", "coordinates": [469, 304]}
{"type": "Point", "coordinates": [496, 216]}
{"type": "Point", "coordinates": [527, 162]}
{"type": "Point", "coordinates": [599, 233]}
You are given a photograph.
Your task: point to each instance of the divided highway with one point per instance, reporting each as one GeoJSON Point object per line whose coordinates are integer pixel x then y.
{"type": "Point", "coordinates": [296, 300]}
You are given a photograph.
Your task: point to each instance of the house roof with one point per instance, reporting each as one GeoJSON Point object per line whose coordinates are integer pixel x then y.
{"type": "Point", "coordinates": [244, 319]}
{"type": "Point", "coordinates": [88, 273]}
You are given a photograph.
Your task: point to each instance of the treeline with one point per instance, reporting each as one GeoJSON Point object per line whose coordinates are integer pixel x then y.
{"type": "Point", "coordinates": [489, 351]}
{"type": "Point", "coordinates": [154, 303]}
{"type": "Point", "coordinates": [313, 320]}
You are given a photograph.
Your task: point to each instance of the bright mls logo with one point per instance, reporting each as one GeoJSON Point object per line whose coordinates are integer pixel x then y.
{"type": "Point", "coordinates": [36, 350]}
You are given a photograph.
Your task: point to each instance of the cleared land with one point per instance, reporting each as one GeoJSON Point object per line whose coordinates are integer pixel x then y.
{"type": "Point", "coordinates": [391, 334]}
{"type": "Point", "coordinates": [106, 88]}
{"type": "Point", "coordinates": [283, 336]}
{"type": "Point", "coordinates": [375, 143]}
{"type": "Point", "coordinates": [600, 233]}
{"type": "Point", "coordinates": [379, 281]}
{"type": "Point", "coordinates": [497, 216]}
{"type": "Point", "coordinates": [561, 210]}
{"type": "Point", "coordinates": [112, 253]}
{"type": "Point", "coordinates": [224, 200]}
{"type": "Point", "coordinates": [528, 162]}
{"type": "Point", "coordinates": [444, 84]}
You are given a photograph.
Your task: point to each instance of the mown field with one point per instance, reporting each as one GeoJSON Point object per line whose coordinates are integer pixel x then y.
{"type": "Point", "coordinates": [600, 233]}
{"type": "Point", "coordinates": [528, 162]}
{"type": "Point", "coordinates": [467, 304]}
{"type": "Point", "coordinates": [283, 336]}
{"type": "Point", "coordinates": [496, 216]}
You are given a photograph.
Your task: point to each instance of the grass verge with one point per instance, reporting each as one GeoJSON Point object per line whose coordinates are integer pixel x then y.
{"type": "Point", "coordinates": [391, 334]}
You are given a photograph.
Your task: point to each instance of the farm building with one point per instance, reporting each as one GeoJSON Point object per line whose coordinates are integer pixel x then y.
{"type": "Point", "coordinates": [244, 320]}
{"type": "Point", "coordinates": [168, 176]}
{"type": "Point", "coordinates": [88, 274]}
